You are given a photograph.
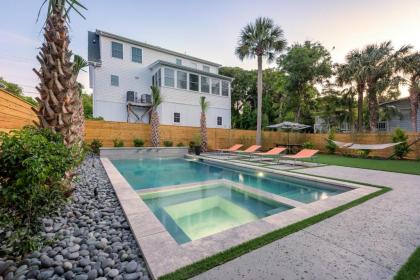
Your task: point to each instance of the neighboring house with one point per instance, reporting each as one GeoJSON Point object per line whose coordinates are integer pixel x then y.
{"type": "Point", "coordinates": [121, 71]}
{"type": "Point", "coordinates": [322, 125]}
{"type": "Point", "coordinates": [401, 120]}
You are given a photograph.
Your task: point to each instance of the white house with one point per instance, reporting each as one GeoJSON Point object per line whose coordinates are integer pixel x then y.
{"type": "Point", "coordinates": [122, 70]}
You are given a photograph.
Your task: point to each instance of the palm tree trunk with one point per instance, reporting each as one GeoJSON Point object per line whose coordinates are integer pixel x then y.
{"type": "Point", "coordinates": [203, 132]}
{"type": "Point", "coordinates": [373, 110]}
{"type": "Point", "coordinates": [414, 104]}
{"type": "Point", "coordinates": [155, 135]}
{"type": "Point", "coordinates": [360, 91]}
{"type": "Point", "coordinates": [259, 100]}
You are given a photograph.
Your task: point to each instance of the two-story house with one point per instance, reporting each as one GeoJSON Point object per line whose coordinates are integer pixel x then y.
{"type": "Point", "coordinates": [122, 70]}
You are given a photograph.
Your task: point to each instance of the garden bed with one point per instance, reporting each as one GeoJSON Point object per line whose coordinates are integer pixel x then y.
{"type": "Point", "coordinates": [90, 239]}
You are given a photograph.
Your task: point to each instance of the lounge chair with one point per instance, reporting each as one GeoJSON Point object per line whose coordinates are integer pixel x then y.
{"type": "Point", "coordinates": [232, 149]}
{"type": "Point", "coordinates": [249, 151]}
{"type": "Point", "coordinates": [273, 153]}
{"type": "Point", "coordinates": [305, 153]}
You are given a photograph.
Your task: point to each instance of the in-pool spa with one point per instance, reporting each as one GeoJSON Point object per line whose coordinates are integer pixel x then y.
{"type": "Point", "coordinates": [193, 213]}
{"type": "Point", "coordinates": [151, 173]}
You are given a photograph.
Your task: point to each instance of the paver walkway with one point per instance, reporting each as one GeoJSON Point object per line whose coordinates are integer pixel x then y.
{"type": "Point", "coordinates": [369, 241]}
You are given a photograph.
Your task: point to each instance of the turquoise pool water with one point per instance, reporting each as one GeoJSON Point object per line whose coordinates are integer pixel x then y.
{"type": "Point", "coordinates": [152, 173]}
{"type": "Point", "coordinates": [198, 212]}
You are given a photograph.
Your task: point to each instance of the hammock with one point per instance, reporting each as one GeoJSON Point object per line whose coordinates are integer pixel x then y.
{"type": "Point", "coordinates": [364, 146]}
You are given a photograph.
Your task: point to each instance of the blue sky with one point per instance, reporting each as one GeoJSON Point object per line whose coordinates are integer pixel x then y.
{"type": "Point", "coordinates": [208, 29]}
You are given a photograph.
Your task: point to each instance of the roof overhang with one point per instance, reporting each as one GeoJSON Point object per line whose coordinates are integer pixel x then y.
{"type": "Point", "coordinates": [145, 45]}
{"type": "Point", "coordinates": [158, 63]}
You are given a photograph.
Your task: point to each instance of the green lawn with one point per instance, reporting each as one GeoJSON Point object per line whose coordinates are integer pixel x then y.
{"type": "Point", "coordinates": [401, 166]}
{"type": "Point", "coordinates": [411, 269]}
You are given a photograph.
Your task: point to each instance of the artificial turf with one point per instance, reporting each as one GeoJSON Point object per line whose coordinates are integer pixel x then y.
{"type": "Point", "coordinates": [411, 269]}
{"type": "Point", "coordinates": [400, 166]}
{"type": "Point", "coordinates": [234, 252]}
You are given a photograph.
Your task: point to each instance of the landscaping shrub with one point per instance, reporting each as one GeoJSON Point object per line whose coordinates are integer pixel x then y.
{"type": "Point", "coordinates": [180, 144]}
{"type": "Point", "coordinates": [95, 146]}
{"type": "Point", "coordinates": [167, 143]}
{"type": "Point", "coordinates": [400, 150]}
{"type": "Point", "coordinates": [118, 143]}
{"type": "Point", "coordinates": [138, 142]}
{"type": "Point", "coordinates": [364, 153]}
{"type": "Point", "coordinates": [308, 145]}
{"type": "Point", "coordinates": [331, 146]}
{"type": "Point", "coordinates": [33, 164]}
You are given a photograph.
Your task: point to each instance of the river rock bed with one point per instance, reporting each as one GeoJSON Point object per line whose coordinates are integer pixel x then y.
{"type": "Point", "coordinates": [92, 239]}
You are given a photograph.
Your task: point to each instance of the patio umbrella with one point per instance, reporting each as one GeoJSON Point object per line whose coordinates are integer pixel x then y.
{"type": "Point", "coordinates": [289, 126]}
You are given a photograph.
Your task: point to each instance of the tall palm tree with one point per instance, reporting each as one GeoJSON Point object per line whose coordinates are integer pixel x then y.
{"type": "Point", "coordinates": [260, 39]}
{"type": "Point", "coordinates": [59, 102]}
{"type": "Point", "coordinates": [351, 72]}
{"type": "Point", "coordinates": [203, 127]}
{"type": "Point", "coordinates": [379, 68]}
{"type": "Point", "coordinates": [154, 119]}
{"type": "Point", "coordinates": [410, 66]}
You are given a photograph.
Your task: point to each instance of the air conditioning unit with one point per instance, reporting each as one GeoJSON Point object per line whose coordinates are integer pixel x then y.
{"type": "Point", "coordinates": [146, 98]}
{"type": "Point", "coordinates": [131, 96]}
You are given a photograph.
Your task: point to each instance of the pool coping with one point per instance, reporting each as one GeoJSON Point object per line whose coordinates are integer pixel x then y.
{"type": "Point", "coordinates": [155, 242]}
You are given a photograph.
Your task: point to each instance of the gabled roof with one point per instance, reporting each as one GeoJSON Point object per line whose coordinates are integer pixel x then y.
{"type": "Point", "coordinates": [156, 48]}
{"type": "Point", "coordinates": [189, 69]}
{"type": "Point", "coordinates": [393, 101]}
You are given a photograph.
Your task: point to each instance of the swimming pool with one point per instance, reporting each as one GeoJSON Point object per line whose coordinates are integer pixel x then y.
{"type": "Point", "coordinates": [194, 213]}
{"type": "Point", "coordinates": [152, 173]}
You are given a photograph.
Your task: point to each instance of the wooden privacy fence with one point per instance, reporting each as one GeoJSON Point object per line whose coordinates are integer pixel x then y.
{"type": "Point", "coordinates": [16, 113]}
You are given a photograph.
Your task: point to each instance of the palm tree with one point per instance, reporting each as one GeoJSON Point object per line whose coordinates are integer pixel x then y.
{"type": "Point", "coordinates": [260, 39]}
{"type": "Point", "coordinates": [352, 72]}
{"type": "Point", "coordinates": [59, 102]}
{"type": "Point", "coordinates": [379, 70]}
{"type": "Point", "coordinates": [410, 66]}
{"type": "Point", "coordinates": [203, 127]}
{"type": "Point", "coordinates": [154, 119]}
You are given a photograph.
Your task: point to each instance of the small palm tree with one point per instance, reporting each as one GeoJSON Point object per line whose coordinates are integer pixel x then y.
{"type": "Point", "coordinates": [59, 102]}
{"type": "Point", "coordinates": [260, 39]}
{"type": "Point", "coordinates": [410, 66]}
{"type": "Point", "coordinates": [154, 119]}
{"type": "Point", "coordinates": [203, 127]}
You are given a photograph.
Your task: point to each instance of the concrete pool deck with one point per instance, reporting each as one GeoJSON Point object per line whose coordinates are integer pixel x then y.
{"type": "Point", "coordinates": [369, 241]}
{"type": "Point", "coordinates": [155, 242]}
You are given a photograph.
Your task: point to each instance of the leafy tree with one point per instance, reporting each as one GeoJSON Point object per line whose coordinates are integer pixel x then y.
{"type": "Point", "coordinates": [60, 103]}
{"type": "Point", "coordinates": [410, 66]}
{"type": "Point", "coordinates": [260, 39]}
{"type": "Point", "coordinates": [305, 65]}
{"type": "Point", "coordinates": [87, 101]}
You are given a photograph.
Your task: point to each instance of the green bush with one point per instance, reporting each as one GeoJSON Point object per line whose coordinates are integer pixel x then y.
{"type": "Point", "coordinates": [363, 153]}
{"type": "Point", "coordinates": [95, 146]}
{"type": "Point", "coordinates": [331, 146]}
{"type": "Point", "coordinates": [118, 143]}
{"type": "Point", "coordinates": [308, 145]}
{"type": "Point", "coordinates": [168, 143]}
{"type": "Point", "coordinates": [33, 163]}
{"type": "Point", "coordinates": [138, 142]}
{"type": "Point", "coordinates": [400, 150]}
{"type": "Point", "coordinates": [180, 144]}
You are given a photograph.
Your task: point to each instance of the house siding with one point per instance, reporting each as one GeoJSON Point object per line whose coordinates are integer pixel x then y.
{"type": "Point", "coordinates": [110, 101]}
{"type": "Point", "coordinates": [403, 122]}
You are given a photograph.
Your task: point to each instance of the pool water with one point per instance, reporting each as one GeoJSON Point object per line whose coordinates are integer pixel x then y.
{"type": "Point", "coordinates": [152, 173]}
{"type": "Point", "coordinates": [194, 213]}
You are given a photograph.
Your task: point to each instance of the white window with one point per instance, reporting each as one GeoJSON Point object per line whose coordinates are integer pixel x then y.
{"type": "Point", "coordinates": [206, 68]}
{"type": "Point", "coordinates": [193, 82]}
{"type": "Point", "coordinates": [177, 117]}
{"type": "Point", "coordinates": [117, 50]}
{"type": "Point", "coordinates": [156, 79]}
{"type": "Point", "coordinates": [178, 61]}
{"type": "Point", "coordinates": [136, 55]}
{"type": "Point", "coordinates": [215, 86]}
{"type": "Point", "coordinates": [219, 121]}
{"type": "Point", "coordinates": [115, 80]}
{"type": "Point", "coordinates": [181, 80]}
{"type": "Point", "coordinates": [225, 88]}
{"type": "Point", "coordinates": [169, 77]}
{"type": "Point", "coordinates": [205, 86]}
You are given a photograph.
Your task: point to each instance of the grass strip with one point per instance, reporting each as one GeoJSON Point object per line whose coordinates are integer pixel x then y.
{"type": "Point", "coordinates": [411, 269]}
{"type": "Point", "coordinates": [246, 247]}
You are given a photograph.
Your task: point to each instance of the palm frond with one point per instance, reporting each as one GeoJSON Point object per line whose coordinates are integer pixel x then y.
{"type": "Point", "coordinates": [156, 96]}
{"type": "Point", "coordinates": [78, 64]}
{"type": "Point", "coordinates": [204, 105]}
